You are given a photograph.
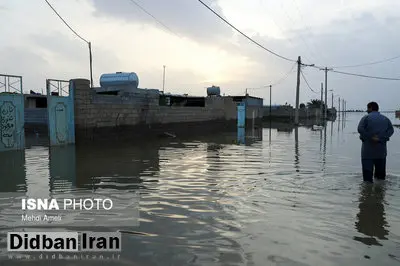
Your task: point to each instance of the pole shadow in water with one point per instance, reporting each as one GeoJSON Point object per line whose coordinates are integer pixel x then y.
{"type": "Point", "coordinates": [371, 219]}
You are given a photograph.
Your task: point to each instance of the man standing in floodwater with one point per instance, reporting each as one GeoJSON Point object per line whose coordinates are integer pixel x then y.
{"type": "Point", "coordinates": [375, 131]}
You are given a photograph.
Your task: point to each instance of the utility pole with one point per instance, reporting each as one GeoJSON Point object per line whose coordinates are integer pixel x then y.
{"type": "Point", "coordinates": [270, 101]}
{"type": "Point", "coordinates": [326, 90]}
{"type": "Point", "coordinates": [296, 114]}
{"type": "Point", "coordinates": [90, 62]}
{"type": "Point", "coordinates": [326, 93]}
{"type": "Point", "coordinates": [332, 101]}
{"type": "Point", "coordinates": [339, 106]}
{"type": "Point", "coordinates": [163, 86]}
{"type": "Point", "coordinates": [322, 103]}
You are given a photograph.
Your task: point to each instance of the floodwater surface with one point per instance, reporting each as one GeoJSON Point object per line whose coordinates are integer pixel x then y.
{"type": "Point", "coordinates": [289, 196]}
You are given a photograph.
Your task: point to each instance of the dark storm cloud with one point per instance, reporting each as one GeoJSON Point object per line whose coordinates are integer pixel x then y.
{"type": "Point", "coordinates": [187, 18]}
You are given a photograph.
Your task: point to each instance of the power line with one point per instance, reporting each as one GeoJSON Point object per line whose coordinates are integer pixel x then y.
{"type": "Point", "coordinates": [249, 38]}
{"type": "Point", "coordinates": [301, 35]}
{"type": "Point", "coordinates": [55, 11]}
{"type": "Point", "coordinates": [308, 85]}
{"type": "Point", "coordinates": [364, 76]}
{"type": "Point", "coordinates": [307, 26]}
{"type": "Point", "coordinates": [285, 76]}
{"type": "Point", "coordinates": [148, 13]}
{"type": "Point", "coordinates": [371, 63]}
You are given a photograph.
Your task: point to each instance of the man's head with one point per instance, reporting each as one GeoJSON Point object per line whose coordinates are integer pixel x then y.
{"type": "Point", "coordinates": [372, 106]}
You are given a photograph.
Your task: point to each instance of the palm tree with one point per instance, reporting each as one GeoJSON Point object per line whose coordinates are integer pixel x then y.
{"type": "Point", "coordinates": [315, 103]}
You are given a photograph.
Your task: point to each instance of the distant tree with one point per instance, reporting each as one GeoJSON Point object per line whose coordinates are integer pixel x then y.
{"type": "Point", "coordinates": [302, 106]}
{"type": "Point", "coordinates": [315, 103]}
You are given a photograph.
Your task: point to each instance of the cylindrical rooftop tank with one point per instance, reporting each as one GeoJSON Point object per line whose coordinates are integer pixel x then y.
{"type": "Point", "coordinates": [119, 79]}
{"type": "Point", "coordinates": [213, 90]}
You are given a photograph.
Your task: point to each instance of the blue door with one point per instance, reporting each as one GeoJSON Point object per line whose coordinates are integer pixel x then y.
{"type": "Point", "coordinates": [12, 135]}
{"type": "Point", "coordinates": [61, 115]}
{"type": "Point", "coordinates": [241, 115]}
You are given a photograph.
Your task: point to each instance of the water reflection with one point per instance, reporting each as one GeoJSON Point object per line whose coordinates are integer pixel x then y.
{"type": "Point", "coordinates": [62, 162]}
{"type": "Point", "coordinates": [116, 166]}
{"type": "Point", "coordinates": [296, 150]}
{"type": "Point", "coordinates": [207, 201]}
{"type": "Point", "coordinates": [241, 135]}
{"type": "Point", "coordinates": [12, 171]}
{"type": "Point", "coordinates": [371, 219]}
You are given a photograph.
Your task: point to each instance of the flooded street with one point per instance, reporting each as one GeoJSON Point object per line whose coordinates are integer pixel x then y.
{"type": "Point", "coordinates": [288, 197]}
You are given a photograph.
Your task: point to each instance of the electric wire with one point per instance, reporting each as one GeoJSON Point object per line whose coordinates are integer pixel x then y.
{"type": "Point", "coordinates": [285, 76]}
{"type": "Point", "coordinates": [151, 15]}
{"type": "Point", "coordinates": [255, 42]}
{"type": "Point", "coordinates": [300, 35]}
{"type": "Point", "coordinates": [249, 38]}
{"type": "Point", "coordinates": [308, 85]}
{"type": "Point", "coordinates": [55, 11]}
{"type": "Point", "coordinates": [370, 63]}
{"type": "Point", "coordinates": [365, 76]}
{"type": "Point", "coordinates": [307, 28]}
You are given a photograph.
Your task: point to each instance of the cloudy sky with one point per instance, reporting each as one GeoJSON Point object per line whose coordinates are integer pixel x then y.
{"type": "Point", "coordinates": [199, 50]}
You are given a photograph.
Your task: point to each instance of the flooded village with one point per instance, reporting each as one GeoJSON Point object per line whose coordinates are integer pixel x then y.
{"type": "Point", "coordinates": [275, 142]}
{"type": "Point", "coordinates": [73, 111]}
{"type": "Point", "coordinates": [206, 173]}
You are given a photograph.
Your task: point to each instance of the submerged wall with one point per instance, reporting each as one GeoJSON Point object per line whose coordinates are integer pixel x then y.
{"type": "Point", "coordinates": [139, 114]}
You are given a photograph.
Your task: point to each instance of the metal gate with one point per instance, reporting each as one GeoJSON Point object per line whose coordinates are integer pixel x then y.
{"type": "Point", "coordinates": [12, 135]}
{"type": "Point", "coordinates": [241, 123]}
{"type": "Point", "coordinates": [241, 115]}
{"type": "Point", "coordinates": [60, 108]}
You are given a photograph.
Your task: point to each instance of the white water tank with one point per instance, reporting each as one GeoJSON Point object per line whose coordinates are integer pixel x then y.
{"type": "Point", "coordinates": [119, 79]}
{"type": "Point", "coordinates": [213, 90]}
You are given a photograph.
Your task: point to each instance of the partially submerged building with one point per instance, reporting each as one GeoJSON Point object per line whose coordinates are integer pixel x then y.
{"type": "Point", "coordinates": [120, 109]}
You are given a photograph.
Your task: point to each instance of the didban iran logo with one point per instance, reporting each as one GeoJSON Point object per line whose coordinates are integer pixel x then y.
{"type": "Point", "coordinates": [63, 241]}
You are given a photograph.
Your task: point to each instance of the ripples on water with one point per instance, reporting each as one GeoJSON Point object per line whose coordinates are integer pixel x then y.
{"type": "Point", "coordinates": [287, 197]}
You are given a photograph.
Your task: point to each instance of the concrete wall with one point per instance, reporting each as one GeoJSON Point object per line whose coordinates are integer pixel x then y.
{"type": "Point", "coordinates": [288, 112]}
{"type": "Point", "coordinates": [141, 109]}
{"type": "Point", "coordinates": [284, 112]}
{"type": "Point", "coordinates": [251, 101]}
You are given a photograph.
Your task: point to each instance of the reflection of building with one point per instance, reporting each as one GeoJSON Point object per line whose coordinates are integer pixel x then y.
{"type": "Point", "coordinates": [109, 164]}
{"type": "Point", "coordinates": [12, 171]}
{"type": "Point", "coordinates": [62, 168]}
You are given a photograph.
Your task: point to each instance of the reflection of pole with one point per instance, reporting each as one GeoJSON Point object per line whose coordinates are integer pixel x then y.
{"type": "Point", "coordinates": [270, 119]}
{"type": "Point", "coordinates": [90, 62]}
{"type": "Point", "coordinates": [324, 150]}
{"type": "Point", "coordinates": [296, 149]}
